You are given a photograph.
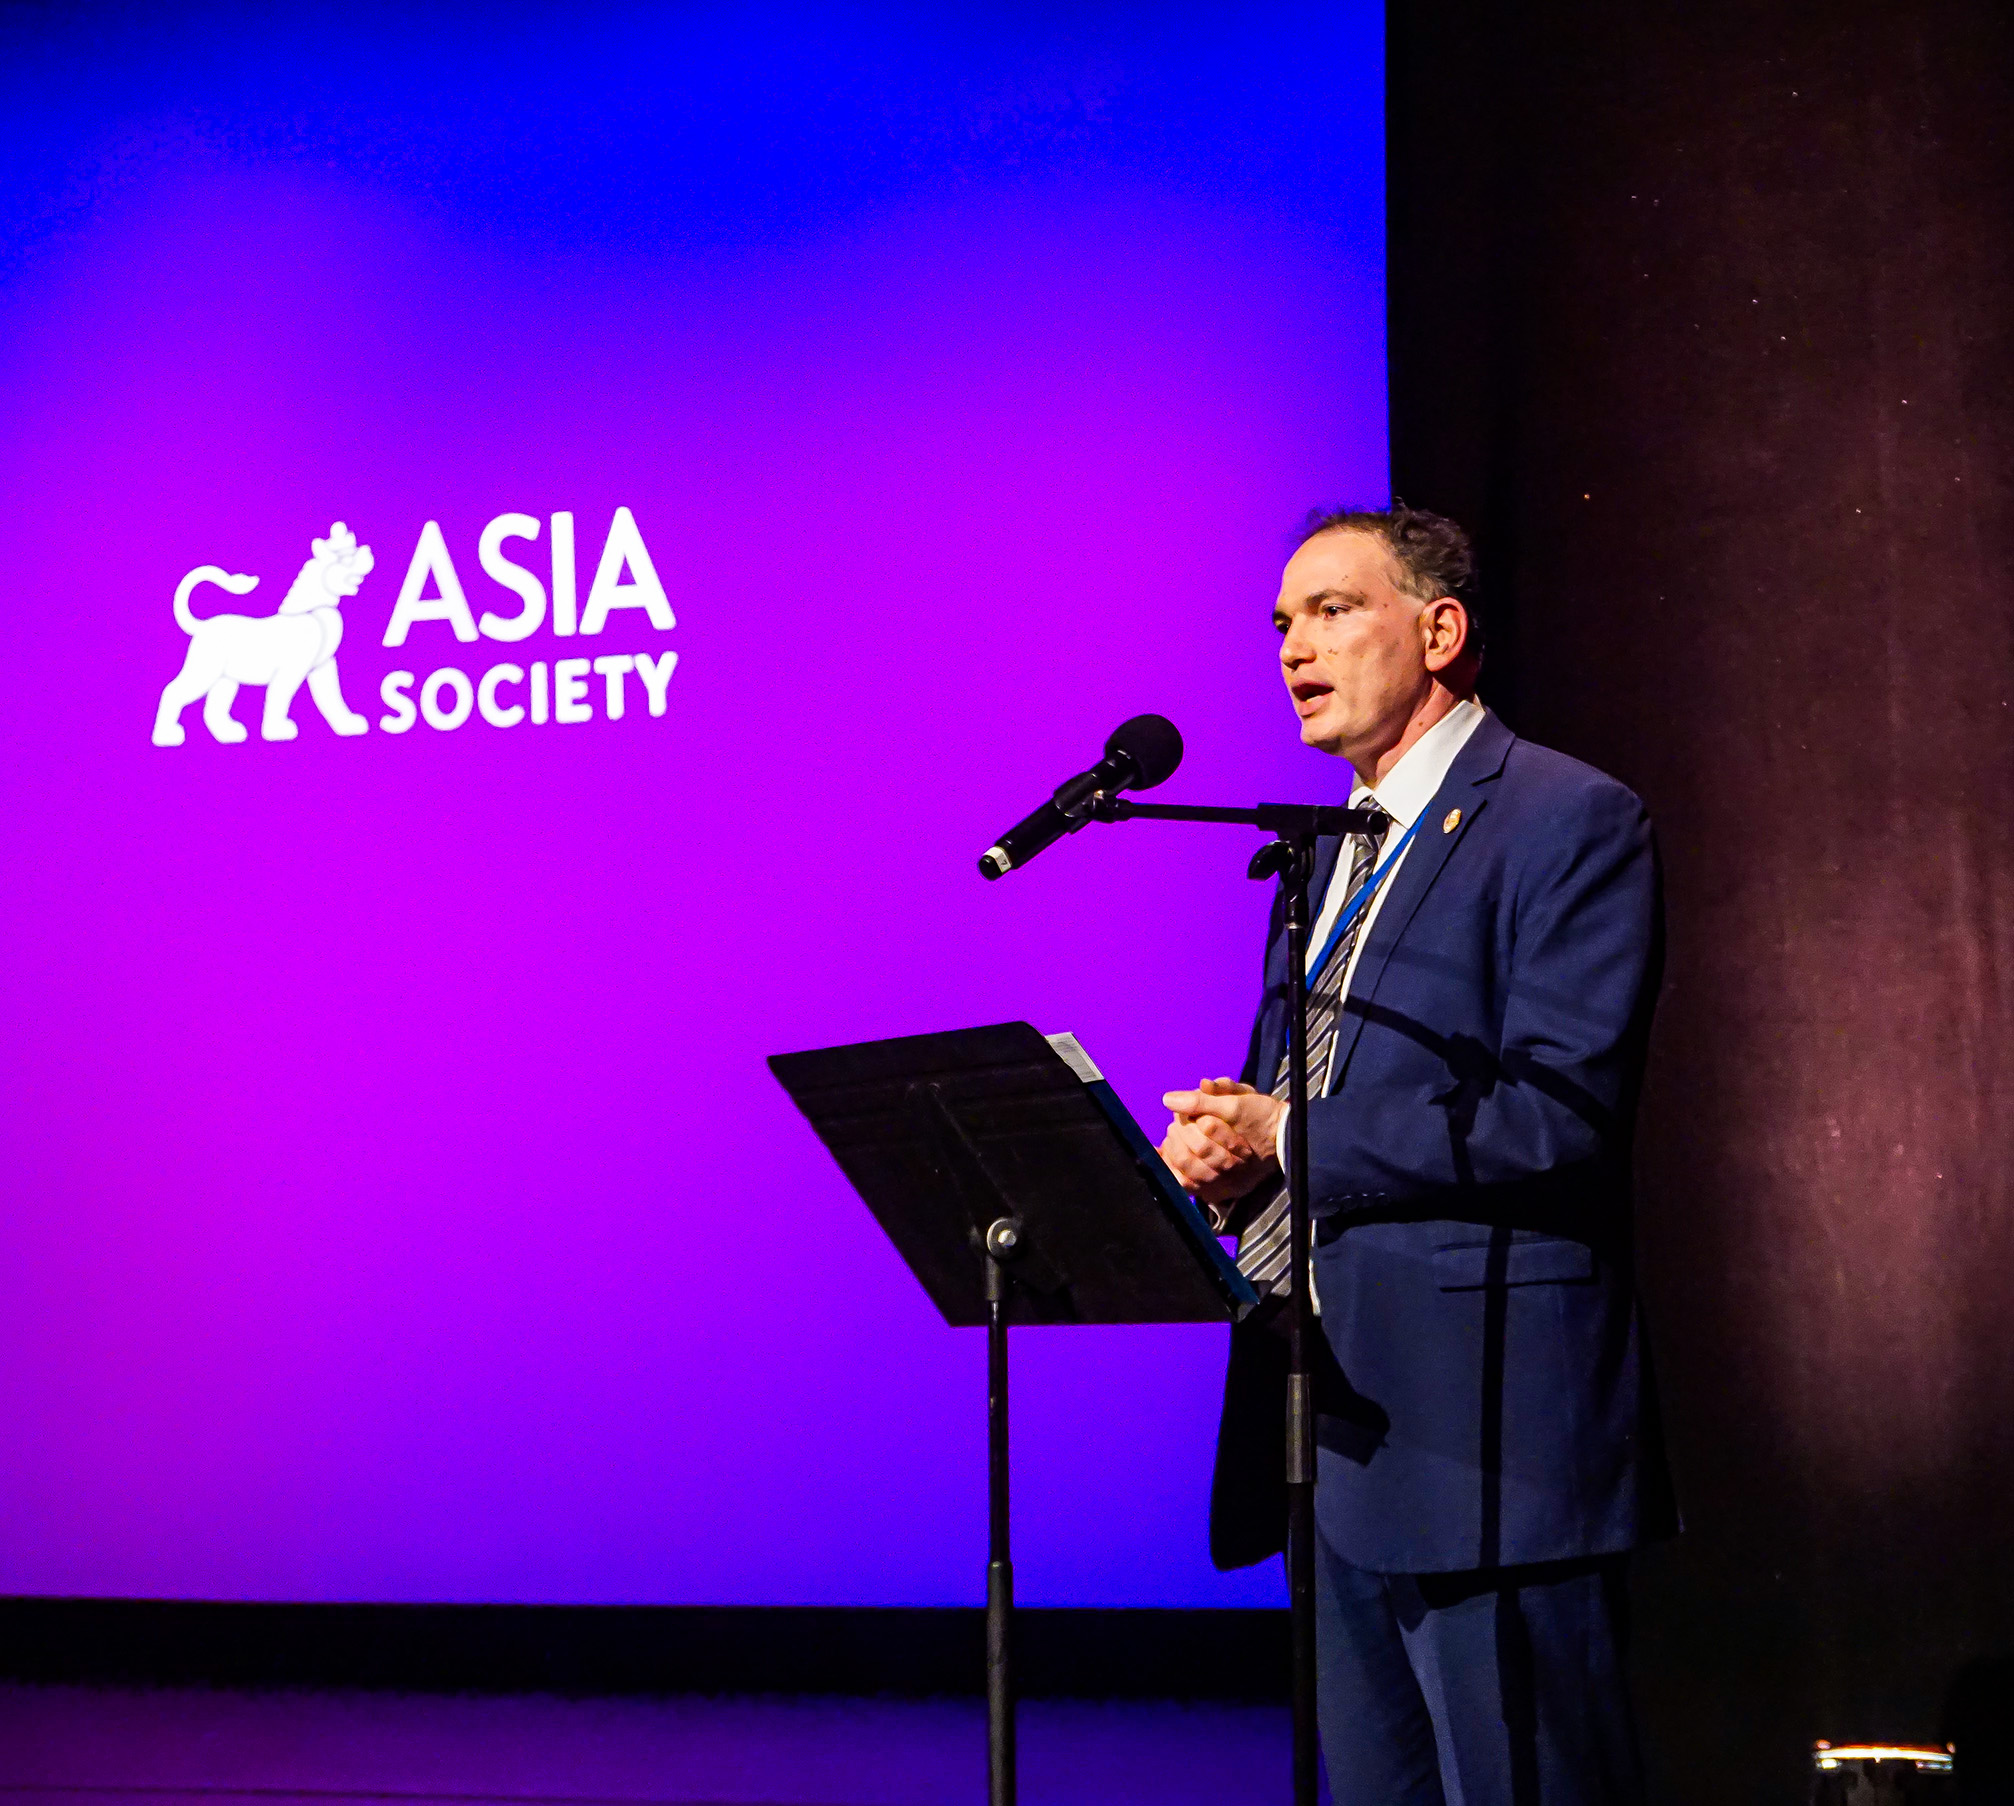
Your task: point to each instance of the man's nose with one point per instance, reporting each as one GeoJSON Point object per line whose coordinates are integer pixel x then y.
{"type": "Point", "coordinates": [1294, 649]}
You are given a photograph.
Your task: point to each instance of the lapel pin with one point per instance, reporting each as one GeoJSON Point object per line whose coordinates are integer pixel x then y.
{"type": "Point", "coordinates": [1451, 821]}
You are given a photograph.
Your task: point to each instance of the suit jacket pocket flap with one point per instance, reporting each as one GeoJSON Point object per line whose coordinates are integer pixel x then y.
{"type": "Point", "coordinates": [1551, 1260]}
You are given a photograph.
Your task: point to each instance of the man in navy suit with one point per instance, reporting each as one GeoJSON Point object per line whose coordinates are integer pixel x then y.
{"type": "Point", "coordinates": [1487, 1442]}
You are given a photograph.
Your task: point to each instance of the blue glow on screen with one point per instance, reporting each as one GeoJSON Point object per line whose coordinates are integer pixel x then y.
{"type": "Point", "coordinates": [399, 1207]}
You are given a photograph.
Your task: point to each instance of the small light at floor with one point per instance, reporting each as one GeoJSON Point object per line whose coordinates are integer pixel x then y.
{"type": "Point", "coordinates": [1929, 1757]}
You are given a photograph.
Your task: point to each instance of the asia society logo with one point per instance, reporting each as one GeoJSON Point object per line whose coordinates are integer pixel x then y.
{"type": "Point", "coordinates": [298, 642]}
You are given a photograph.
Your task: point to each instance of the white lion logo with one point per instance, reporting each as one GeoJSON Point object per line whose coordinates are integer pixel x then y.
{"type": "Point", "coordinates": [281, 651]}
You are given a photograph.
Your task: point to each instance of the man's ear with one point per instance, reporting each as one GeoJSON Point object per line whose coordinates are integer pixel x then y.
{"type": "Point", "coordinates": [1444, 629]}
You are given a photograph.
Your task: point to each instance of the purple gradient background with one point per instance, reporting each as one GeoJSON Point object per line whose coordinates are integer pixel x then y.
{"type": "Point", "coordinates": [398, 1206]}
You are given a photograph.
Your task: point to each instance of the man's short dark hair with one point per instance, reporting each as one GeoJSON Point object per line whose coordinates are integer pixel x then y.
{"type": "Point", "coordinates": [1432, 554]}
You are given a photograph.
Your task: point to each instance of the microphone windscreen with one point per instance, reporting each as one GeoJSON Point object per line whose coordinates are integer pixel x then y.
{"type": "Point", "coordinates": [1153, 745]}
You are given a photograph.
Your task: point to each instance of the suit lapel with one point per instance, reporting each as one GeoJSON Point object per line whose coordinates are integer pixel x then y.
{"type": "Point", "coordinates": [1327, 848]}
{"type": "Point", "coordinates": [1466, 787]}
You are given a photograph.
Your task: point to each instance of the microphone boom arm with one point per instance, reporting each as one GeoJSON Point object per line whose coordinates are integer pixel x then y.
{"type": "Point", "coordinates": [1290, 821]}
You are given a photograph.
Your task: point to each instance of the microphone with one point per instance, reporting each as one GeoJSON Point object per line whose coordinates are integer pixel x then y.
{"type": "Point", "coordinates": [1141, 753]}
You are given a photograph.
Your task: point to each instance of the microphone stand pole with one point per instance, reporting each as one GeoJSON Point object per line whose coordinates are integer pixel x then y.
{"type": "Point", "coordinates": [1290, 857]}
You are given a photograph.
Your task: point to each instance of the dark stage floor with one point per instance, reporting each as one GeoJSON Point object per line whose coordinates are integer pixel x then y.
{"type": "Point", "coordinates": [73, 1746]}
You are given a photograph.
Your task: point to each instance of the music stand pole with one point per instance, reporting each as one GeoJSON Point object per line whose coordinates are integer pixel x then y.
{"type": "Point", "coordinates": [1002, 1242]}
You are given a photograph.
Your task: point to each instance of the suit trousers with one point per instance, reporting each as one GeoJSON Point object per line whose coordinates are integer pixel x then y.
{"type": "Point", "coordinates": [1495, 1687]}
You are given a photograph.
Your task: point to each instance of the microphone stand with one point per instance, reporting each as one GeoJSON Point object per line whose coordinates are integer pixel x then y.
{"type": "Point", "coordinates": [1289, 856]}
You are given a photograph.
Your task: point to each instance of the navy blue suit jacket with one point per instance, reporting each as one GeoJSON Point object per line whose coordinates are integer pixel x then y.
{"type": "Point", "coordinates": [1490, 1400]}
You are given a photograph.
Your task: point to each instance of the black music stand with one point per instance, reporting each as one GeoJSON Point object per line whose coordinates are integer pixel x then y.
{"type": "Point", "coordinates": [1019, 1190]}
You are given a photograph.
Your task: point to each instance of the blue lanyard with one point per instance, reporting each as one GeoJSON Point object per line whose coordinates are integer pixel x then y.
{"type": "Point", "coordinates": [1356, 905]}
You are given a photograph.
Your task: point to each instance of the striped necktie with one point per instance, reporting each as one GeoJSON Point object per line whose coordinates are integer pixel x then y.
{"type": "Point", "coordinates": [1264, 1248]}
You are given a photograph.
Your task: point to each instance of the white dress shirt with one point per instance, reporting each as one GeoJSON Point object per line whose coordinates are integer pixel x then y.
{"type": "Point", "coordinates": [1405, 791]}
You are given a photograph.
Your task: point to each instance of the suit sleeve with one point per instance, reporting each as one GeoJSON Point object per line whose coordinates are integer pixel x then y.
{"type": "Point", "coordinates": [1441, 1109]}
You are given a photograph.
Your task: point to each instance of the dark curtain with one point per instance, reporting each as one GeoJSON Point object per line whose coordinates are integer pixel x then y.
{"type": "Point", "coordinates": [1703, 317]}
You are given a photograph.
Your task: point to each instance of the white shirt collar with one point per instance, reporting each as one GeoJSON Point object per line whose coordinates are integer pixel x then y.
{"type": "Point", "coordinates": [1411, 784]}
